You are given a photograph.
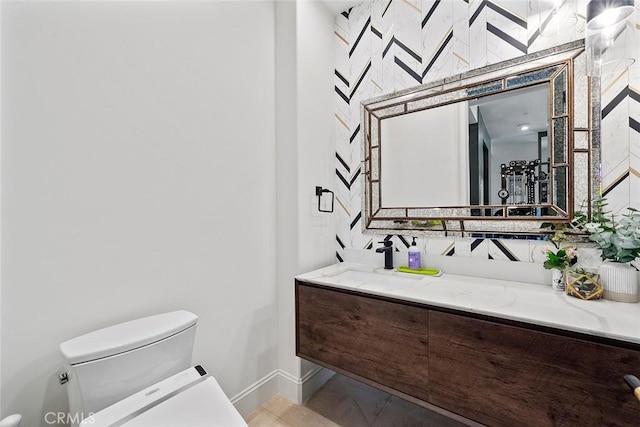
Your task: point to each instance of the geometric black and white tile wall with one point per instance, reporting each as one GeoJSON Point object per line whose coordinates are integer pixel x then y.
{"type": "Point", "coordinates": [382, 46]}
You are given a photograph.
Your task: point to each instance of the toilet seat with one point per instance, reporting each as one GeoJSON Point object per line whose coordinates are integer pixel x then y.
{"type": "Point", "coordinates": [190, 398]}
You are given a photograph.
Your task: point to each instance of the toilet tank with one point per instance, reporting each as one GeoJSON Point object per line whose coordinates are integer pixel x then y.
{"type": "Point", "coordinates": [109, 364]}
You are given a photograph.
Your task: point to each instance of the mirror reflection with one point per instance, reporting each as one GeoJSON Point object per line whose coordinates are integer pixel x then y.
{"type": "Point", "coordinates": [492, 150]}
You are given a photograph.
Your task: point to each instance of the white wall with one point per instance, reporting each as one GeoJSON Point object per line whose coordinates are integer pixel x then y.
{"type": "Point", "coordinates": [287, 183]}
{"type": "Point", "coordinates": [419, 151]}
{"type": "Point", "coordinates": [315, 133]}
{"type": "Point", "coordinates": [305, 155]}
{"type": "Point", "coordinates": [138, 176]}
{"type": "Point", "coordinates": [315, 139]}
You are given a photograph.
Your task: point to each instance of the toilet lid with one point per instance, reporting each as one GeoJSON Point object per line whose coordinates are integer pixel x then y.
{"type": "Point", "coordinates": [185, 399]}
{"type": "Point", "coordinates": [204, 404]}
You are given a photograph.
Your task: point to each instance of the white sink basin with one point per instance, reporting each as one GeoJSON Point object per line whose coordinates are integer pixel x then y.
{"type": "Point", "coordinates": [463, 293]}
{"type": "Point", "coordinates": [378, 279]}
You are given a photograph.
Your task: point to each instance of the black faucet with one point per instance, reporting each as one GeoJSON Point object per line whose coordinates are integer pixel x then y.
{"type": "Point", "coordinates": [388, 254]}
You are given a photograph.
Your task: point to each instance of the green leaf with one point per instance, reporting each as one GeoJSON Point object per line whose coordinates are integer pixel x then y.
{"type": "Point", "coordinates": [548, 264]}
{"type": "Point", "coordinates": [609, 253]}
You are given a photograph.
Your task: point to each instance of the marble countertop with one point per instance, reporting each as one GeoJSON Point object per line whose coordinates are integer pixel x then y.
{"type": "Point", "coordinates": [524, 302]}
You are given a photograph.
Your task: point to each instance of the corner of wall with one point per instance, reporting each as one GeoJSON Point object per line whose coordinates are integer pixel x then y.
{"type": "Point", "coordinates": [254, 396]}
{"type": "Point", "coordinates": [296, 390]}
{"type": "Point", "coordinates": [313, 382]}
{"type": "Point", "coordinates": [299, 390]}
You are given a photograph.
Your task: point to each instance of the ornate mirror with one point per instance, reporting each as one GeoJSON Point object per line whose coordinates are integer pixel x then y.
{"type": "Point", "coordinates": [498, 150]}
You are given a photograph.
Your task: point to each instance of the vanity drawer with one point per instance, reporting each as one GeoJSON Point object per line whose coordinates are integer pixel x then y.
{"type": "Point", "coordinates": [380, 341]}
{"type": "Point", "coordinates": [503, 375]}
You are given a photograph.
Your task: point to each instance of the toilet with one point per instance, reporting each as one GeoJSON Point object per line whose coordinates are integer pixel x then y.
{"type": "Point", "coordinates": [139, 373]}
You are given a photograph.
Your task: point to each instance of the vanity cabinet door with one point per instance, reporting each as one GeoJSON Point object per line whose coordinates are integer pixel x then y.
{"type": "Point", "coordinates": [504, 375]}
{"type": "Point", "coordinates": [381, 341]}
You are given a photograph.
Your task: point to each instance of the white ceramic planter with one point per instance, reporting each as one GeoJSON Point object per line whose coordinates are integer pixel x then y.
{"type": "Point", "coordinates": [620, 282]}
{"type": "Point", "coordinates": [557, 279]}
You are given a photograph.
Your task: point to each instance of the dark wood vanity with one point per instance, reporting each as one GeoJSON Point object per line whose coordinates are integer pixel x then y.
{"type": "Point", "coordinates": [494, 371]}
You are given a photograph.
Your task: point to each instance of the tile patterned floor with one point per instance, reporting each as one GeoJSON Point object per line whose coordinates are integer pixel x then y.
{"type": "Point", "coordinates": [343, 402]}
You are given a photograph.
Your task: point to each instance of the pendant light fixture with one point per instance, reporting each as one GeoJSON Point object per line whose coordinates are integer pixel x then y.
{"type": "Point", "coordinates": [605, 13]}
{"type": "Point", "coordinates": [609, 37]}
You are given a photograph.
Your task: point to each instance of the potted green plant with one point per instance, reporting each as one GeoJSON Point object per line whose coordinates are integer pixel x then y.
{"type": "Point", "coordinates": [619, 243]}
{"type": "Point", "coordinates": [558, 259]}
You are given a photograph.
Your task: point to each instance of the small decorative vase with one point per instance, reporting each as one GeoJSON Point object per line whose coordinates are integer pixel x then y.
{"type": "Point", "coordinates": [557, 279]}
{"type": "Point", "coordinates": [620, 281]}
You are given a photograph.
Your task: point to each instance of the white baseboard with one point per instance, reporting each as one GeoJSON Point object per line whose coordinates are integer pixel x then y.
{"type": "Point", "coordinates": [297, 390]}
{"type": "Point", "coordinates": [256, 394]}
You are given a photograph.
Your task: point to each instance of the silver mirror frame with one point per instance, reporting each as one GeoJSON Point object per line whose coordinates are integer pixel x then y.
{"type": "Point", "coordinates": [582, 164]}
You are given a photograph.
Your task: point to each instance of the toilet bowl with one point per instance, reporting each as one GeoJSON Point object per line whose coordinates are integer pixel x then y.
{"type": "Point", "coordinates": [140, 368]}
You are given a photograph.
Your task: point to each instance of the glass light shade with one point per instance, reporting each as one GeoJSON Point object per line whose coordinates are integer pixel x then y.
{"type": "Point", "coordinates": [604, 13]}
{"type": "Point", "coordinates": [611, 50]}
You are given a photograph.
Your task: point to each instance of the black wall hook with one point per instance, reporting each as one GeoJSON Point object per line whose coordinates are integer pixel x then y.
{"type": "Point", "coordinates": [319, 192]}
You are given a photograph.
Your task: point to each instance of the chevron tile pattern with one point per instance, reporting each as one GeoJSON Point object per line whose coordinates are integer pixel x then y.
{"type": "Point", "coordinates": [621, 123]}
{"type": "Point", "coordinates": [384, 46]}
